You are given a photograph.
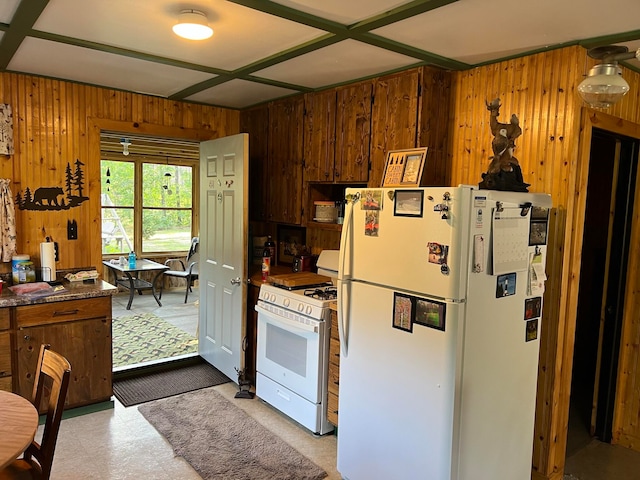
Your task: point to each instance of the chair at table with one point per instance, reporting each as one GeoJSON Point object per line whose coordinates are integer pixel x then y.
{"type": "Point", "coordinates": [189, 268]}
{"type": "Point", "coordinates": [53, 374]}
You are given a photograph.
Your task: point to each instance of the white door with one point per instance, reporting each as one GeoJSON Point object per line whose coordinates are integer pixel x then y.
{"type": "Point", "coordinates": [223, 251]}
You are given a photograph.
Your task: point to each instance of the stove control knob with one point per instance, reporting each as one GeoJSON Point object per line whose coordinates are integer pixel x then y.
{"type": "Point", "coordinates": [308, 311]}
{"type": "Point", "coordinates": [286, 302]}
{"type": "Point", "coordinates": [274, 298]}
{"type": "Point", "coordinates": [300, 307]}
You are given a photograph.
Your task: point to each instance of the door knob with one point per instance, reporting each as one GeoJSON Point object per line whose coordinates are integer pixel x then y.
{"type": "Point", "coordinates": [235, 281]}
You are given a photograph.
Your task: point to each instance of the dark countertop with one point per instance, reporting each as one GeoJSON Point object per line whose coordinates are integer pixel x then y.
{"type": "Point", "coordinates": [73, 291]}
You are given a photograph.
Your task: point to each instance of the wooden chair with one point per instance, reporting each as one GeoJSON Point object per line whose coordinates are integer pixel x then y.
{"type": "Point", "coordinates": [54, 373]}
{"type": "Point", "coordinates": [189, 271]}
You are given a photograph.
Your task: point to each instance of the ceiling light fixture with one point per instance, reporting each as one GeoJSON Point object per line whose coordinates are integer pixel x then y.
{"type": "Point", "coordinates": [192, 25]}
{"type": "Point", "coordinates": [604, 85]}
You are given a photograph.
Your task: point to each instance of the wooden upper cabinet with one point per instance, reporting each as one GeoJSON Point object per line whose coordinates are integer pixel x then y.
{"type": "Point", "coordinates": [255, 122]}
{"type": "Point", "coordinates": [319, 136]}
{"type": "Point", "coordinates": [353, 131]}
{"type": "Point", "coordinates": [394, 118]}
{"type": "Point", "coordinates": [284, 171]}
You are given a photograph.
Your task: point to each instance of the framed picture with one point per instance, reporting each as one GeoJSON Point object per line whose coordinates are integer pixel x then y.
{"type": "Point", "coordinates": [290, 243]}
{"type": "Point", "coordinates": [430, 313]}
{"type": "Point", "coordinates": [402, 312]}
{"type": "Point", "coordinates": [531, 331]}
{"type": "Point", "coordinates": [538, 233]}
{"type": "Point", "coordinates": [408, 203]}
{"type": "Point", "coordinates": [404, 167]}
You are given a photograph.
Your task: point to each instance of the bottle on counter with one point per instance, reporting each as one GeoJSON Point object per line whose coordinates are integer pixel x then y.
{"type": "Point", "coordinates": [266, 264]}
{"type": "Point", "coordinates": [271, 245]}
{"type": "Point", "coordinates": [132, 259]}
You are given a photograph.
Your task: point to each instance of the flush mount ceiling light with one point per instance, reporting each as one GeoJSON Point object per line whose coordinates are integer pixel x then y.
{"type": "Point", "coordinates": [604, 85]}
{"type": "Point", "coordinates": [192, 25]}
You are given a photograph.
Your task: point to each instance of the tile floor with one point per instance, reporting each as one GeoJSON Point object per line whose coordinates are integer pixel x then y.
{"type": "Point", "coordinates": [119, 443]}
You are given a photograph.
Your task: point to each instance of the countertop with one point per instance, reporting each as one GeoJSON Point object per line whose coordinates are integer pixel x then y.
{"type": "Point", "coordinates": [73, 291]}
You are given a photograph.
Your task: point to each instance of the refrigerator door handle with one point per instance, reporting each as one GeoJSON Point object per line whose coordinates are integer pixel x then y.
{"type": "Point", "coordinates": [343, 299]}
{"type": "Point", "coordinates": [342, 309]}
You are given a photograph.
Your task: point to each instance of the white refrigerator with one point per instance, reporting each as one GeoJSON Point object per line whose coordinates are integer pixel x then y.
{"type": "Point", "coordinates": [439, 307]}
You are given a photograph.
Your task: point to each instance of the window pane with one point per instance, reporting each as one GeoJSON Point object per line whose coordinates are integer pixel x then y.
{"type": "Point", "coordinates": [117, 183]}
{"type": "Point", "coordinates": [166, 185]}
{"type": "Point", "coordinates": [117, 230]}
{"type": "Point", "coordinates": [166, 230]}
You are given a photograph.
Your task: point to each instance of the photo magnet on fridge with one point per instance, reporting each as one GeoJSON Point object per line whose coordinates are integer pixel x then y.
{"type": "Point", "coordinates": [403, 312]}
{"type": "Point", "coordinates": [431, 314]}
{"type": "Point", "coordinates": [438, 253]}
{"type": "Point", "coordinates": [531, 330]}
{"type": "Point", "coordinates": [506, 285]}
{"type": "Point", "coordinates": [372, 223]}
{"type": "Point", "coordinates": [532, 307]}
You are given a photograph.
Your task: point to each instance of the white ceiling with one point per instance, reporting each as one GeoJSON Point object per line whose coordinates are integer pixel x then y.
{"type": "Point", "coordinates": [262, 50]}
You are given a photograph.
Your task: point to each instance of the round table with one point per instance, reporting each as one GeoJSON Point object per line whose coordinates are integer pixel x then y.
{"type": "Point", "coordinates": [18, 426]}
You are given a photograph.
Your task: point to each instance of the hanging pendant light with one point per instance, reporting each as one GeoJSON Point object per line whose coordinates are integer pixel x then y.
{"type": "Point", "coordinates": [604, 84]}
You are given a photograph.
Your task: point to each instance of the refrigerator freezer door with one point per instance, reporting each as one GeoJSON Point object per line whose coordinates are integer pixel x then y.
{"type": "Point", "coordinates": [423, 252]}
{"type": "Point", "coordinates": [396, 392]}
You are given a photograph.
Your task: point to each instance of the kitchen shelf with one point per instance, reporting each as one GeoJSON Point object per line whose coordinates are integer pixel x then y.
{"type": "Point", "coordinates": [325, 226]}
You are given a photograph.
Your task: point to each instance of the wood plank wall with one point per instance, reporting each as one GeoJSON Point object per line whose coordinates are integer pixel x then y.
{"type": "Point", "coordinates": [53, 123]}
{"type": "Point", "coordinates": [541, 90]}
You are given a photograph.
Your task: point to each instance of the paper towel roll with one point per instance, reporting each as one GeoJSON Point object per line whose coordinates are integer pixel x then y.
{"type": "Point", "coordinates": [48, 261]}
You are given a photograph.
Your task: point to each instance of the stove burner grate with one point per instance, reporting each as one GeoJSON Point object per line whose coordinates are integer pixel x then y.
{"type": "Point", "coordinates": [328, 293]}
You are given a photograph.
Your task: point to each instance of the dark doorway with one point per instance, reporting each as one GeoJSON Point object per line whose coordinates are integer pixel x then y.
{"type": "Point", "coordinates": [609, 207]}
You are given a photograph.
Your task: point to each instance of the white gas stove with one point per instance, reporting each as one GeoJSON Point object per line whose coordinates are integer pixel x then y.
{"type": "Point", "coordinates": [293, 351]}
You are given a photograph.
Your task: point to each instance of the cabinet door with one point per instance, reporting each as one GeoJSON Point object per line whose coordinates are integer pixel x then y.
{"type": "Point", "coordinates": [319, 136]}
{"type": "Point", "coordinates": [353, 129]}
{"type": "Point", "coordinates": [255, 122]}
{"type": "Point", "coordinates": [394, 118]}
{"type": "Point", "coordinates": [284, 171]}
{"type": "Point", "coordinates": [87, 346]}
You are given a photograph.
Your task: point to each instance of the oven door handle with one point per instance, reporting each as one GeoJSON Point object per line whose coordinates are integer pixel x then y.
{"type": "Point", "coordinates": [285, 321]}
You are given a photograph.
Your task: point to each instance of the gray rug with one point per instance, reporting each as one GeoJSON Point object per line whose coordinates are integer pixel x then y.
{"type": "Point", "coordinates": [220, 441]}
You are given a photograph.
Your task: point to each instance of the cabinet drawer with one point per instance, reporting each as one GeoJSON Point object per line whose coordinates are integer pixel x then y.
{"type": "Point", "coordinates": [5, 354]}
{"type": "Point", "coordinates": [5, 384]}
{"type": "Point", "coordinates": [332, 409]}
{"type": "Point", "coordinates": [334, 351]}
{"type": "Point", "coordinates": [334, 378]}
{"type": "Point", "coordinates": [4, 318]}
{"type": "Point", "coordinates": [56, 312]}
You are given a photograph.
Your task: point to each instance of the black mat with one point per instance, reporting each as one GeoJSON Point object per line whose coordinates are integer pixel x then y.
{"type": "Point", "coordinates": [166, 383]}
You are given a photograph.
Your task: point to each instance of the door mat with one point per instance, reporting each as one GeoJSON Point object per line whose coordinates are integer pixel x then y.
{"type": "Point", "coordinates": [166, 383]}
{"type": "Point", "coordinates": [221, 441]}
{"type": "Point", "coordinates": [145, 337]}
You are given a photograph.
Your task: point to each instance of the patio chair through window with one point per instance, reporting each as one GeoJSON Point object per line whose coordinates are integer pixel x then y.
{"type": "Point", "coordinates": [187, 270]}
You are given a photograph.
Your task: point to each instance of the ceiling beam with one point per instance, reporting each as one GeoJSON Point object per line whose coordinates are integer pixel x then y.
{"type": "Point", "coordinates": [21, 24]}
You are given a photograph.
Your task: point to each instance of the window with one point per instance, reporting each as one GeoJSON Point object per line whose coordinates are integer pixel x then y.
{"type": "Point", "coordinates": [148, 205]}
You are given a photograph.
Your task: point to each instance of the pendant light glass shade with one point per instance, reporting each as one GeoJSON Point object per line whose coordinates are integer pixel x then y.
{"type": "Point", "coordinates": [192, 25]}
{"type": "Point", "coordinates": [604, 86]}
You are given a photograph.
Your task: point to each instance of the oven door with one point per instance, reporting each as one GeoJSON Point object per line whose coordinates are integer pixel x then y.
{"type": "Point", "coordinates": [290, 353]}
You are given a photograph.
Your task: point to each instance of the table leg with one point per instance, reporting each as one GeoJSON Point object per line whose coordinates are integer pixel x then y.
{"type": "Point", "coordinates": [153, 287]}
{"type": "Point", "coordinates": [131, 289]}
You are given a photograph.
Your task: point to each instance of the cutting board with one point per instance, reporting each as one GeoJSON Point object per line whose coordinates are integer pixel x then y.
{"type": "Point", "coordinates": [299, 279]}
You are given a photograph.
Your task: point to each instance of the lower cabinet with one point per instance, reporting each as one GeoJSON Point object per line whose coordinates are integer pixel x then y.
{"type": "Point", "coordinates": [5, 352]}
{"type": "Point", "coordinates": [251, 334]}
{"type": "Point", "coordinates": [334, 370]}
{"type": "Point", "coordinates": [80, 330]}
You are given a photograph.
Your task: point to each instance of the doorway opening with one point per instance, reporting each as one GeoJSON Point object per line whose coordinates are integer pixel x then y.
{"type": "Point", "coordinates": [608, 214]}
{"type": "Point", "coordinates": [150, 205]}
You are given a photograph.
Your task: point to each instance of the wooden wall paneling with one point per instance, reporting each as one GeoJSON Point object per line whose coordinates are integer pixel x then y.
{"type": "Point", "coordinates": [50, 130]}
{"type": "Point", "coordinates": [353, 132]}
{"type": "Point", "coordinates": [434, 125]}
{"type": "Point", "coordinates": [321, 238]}
{"type": "Point", "coordinates": [319, 136]}
{"type": "Point", "coordinates": [394, 118]}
